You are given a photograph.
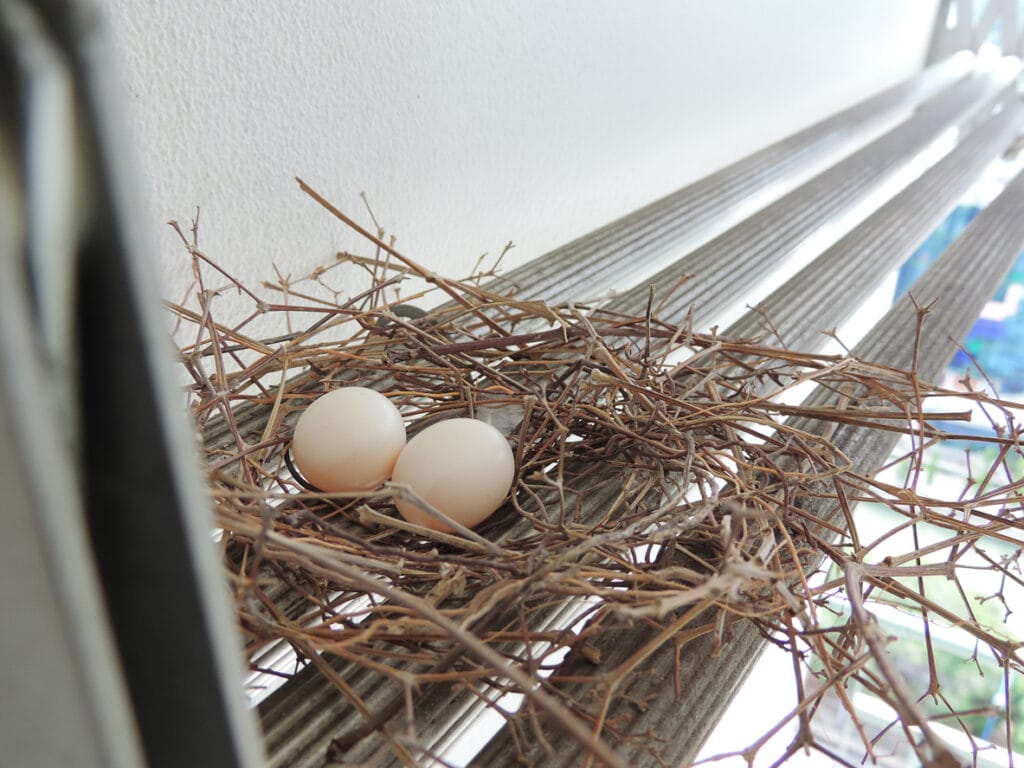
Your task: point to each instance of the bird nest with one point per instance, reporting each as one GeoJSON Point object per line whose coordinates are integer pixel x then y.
{"type": "Point", "coordinates": [671, 495]}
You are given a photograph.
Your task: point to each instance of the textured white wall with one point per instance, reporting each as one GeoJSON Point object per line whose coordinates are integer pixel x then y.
{"type": "Point", "coordinates": [470, 123]}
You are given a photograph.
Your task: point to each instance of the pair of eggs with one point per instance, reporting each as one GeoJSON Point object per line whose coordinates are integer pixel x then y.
{"type": "Point", "coordinates": [353, 439]}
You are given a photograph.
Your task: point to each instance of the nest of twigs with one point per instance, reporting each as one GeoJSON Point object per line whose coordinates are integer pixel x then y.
{"type": "Point", "coordinates": [664, 482]}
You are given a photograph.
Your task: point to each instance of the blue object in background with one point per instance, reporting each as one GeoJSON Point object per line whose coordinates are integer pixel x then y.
{"type": "Point", "coordinates": [996, 342]}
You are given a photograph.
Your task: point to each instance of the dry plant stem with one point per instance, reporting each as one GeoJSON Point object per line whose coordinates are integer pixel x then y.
{"type": "Point", "coordinates": [913, 378]}
{"type": "Point", "coordinates": [933, 753]}
{"type": "Point", "coordinates": [611, 685]}
{"type": "Point", "coordinates": [599, 521]}
{"type": "Point", "coordinates": [428, 275]}
{"type": "Point", "coordinates": [244, 342]}
{"type": "Point", "coordinates": [472, 644]}
{"type": "Point", "coordinates": [192, 245]}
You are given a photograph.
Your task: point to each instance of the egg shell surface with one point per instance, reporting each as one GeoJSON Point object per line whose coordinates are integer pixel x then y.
{"type": "Point", "coordinates": [461, 467]}
{"type": "Point", "coordinates": [348, 440]}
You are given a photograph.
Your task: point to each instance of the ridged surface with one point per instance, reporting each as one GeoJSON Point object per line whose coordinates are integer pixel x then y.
{"type": "Point", "coordinates": [986, 251]}
{"type": "Point", "coordinates": [732, 263]}
{"type": "Point", "coordinates": [305, 715]}
{"type": "Point", "coordinates": [845, 274]}
{"type": "Point", "coordinates": [302, 717]}
{"type": "Point", "coordinates": [692, 214]}
{"type": "Point", "coordinates": [960, 283]}
{"type": "Point", "coordinates": [576, 269]}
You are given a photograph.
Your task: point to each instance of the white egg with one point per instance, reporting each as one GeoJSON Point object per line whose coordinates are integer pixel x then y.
{"type": "Point", "coordinates": [461, 467]}
{"type": "Point", "coordinates": [348, 440]}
